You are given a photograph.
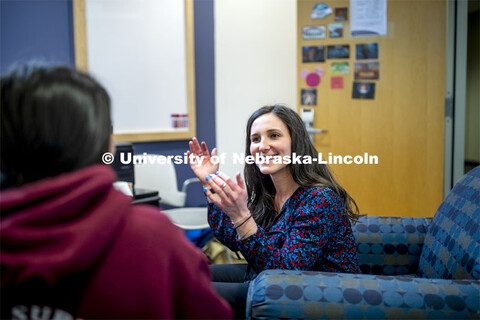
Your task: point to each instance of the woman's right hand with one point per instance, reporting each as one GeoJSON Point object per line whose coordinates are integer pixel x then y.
{"type": "Point", "coordinates": [206, 166]}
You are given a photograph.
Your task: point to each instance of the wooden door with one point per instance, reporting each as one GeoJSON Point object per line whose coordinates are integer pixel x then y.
{"type": "Point", "coordinates": [403, 125]}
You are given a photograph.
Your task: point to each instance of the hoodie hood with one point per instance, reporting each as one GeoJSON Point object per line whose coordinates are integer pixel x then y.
{"type": "Point", "coordinates": [59, 226]}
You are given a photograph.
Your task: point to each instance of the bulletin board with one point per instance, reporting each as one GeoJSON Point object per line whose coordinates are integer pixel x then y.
{"type": "Point", "coordinates": [398, 115]}
{"type": "Point", "coordinates": [142, 51]}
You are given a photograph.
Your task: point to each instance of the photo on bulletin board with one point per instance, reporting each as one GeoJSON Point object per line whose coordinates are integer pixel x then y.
{"type": "Point", "coordinates": [338, 52]}
{"type": "Point", "coordinates": [367, 51]}
{"type": "Point", "coordinates": [341, 14]}
{"type": "Point", "coordinates": [320, 11]}
{"type": "Point", "coordinates": [335, 30]}
{"type": "Point", "coordinates": [314, 32]}
{"type": "Point", "coordinates": [308, 97]}
{"type": "Point", "coordinates": [366, 70]}
{"type": "Point", "coordinates": [336, 82]}
{"type": "Point", "coordinates": [313, 54]}
{"type": "Point", "coordinates": [363, 90]}
{"type": "Point", "coordinates": [339, 68]}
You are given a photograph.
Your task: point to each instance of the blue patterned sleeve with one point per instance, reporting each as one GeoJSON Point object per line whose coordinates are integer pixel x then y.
{"type": "Point", "coordinates": [318, 235]}
{"type": "Point", "coordinates": [222, 227]}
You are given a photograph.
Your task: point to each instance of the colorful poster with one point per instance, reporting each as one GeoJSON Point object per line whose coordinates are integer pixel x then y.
{"type": "Point", "coordinates": [366, 71]}
{"type": "Point", "coordinates": [312, 79]}
{"type": "Point", "coordinates": [313, 32]}
{"type": "Point", "coordinates": [368, 18]}
{"type": "Point", "coordinates": [336, 82]}
{"type": "Point", "coordinates": [366, 51]}
{"type": "Point", "coordinates": [308, 97]}
{"type": "Point", "coordinates": [320, 11]}
{"type": "Point", "coordinates": [313, 54]}
{"type": "Point", "coordinates": [338, 68]}
{"type": "Point", "coordinates": [335, 30]}
{"type": "Point", "coordinates": [363, 90]}
{"type": "Point", "coordinates": [338, 52]}
{"type": "Point", "coordinates": [341, 14]}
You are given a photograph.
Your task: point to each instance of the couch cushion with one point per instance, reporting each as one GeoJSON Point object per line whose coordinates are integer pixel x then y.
{"type": "Point", "coordinates": [452, 244]}
{"type": "Point", "coordinates": [390, 245]}
{"type": "Point", "coordinates": [293, 294]}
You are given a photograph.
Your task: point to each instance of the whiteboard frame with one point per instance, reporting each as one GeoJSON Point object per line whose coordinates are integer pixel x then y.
{"type": "Point", "coordinates": [81, 63]}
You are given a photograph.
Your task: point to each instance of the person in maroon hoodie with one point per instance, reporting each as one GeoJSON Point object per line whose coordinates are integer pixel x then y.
{"type": "Point", "coordinates": [71, 246]}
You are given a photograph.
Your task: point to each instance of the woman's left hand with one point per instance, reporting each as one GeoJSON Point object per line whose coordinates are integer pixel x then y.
{"type": "Point", "coordinates": [229, 196]}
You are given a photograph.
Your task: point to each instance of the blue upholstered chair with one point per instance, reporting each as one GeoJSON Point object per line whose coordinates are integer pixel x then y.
{"type": "Point", "coordinates": [412, 268]}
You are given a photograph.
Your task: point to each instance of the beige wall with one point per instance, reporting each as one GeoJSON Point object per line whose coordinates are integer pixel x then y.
{"type": "Point", "coordinates": [255, 65]}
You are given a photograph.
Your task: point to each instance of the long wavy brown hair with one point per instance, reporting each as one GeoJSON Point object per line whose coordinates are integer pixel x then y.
{"type": "Point", "coordinates": [260, 188]}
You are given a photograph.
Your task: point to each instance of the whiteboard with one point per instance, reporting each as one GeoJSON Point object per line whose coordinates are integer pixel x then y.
{"type": "Point", "coordinates": [138, 50]}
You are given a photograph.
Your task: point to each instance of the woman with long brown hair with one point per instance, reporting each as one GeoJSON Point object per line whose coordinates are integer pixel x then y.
{"type": "Point", "coordinates": [285, 215]}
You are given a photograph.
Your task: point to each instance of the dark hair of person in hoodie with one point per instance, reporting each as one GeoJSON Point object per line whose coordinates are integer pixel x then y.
{"type": "Point", "coordinates": [53, 120]}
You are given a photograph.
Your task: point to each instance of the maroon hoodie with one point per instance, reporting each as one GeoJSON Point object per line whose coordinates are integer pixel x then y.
{"type": "Point", "coordinates": [74, 247]}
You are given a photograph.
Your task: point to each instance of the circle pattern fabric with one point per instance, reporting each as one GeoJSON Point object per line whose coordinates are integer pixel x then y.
{"type": "Point", "coordinates": [391, 297]}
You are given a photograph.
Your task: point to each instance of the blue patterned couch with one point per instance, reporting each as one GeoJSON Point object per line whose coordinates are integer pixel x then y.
{"type": "Point", "coordinates": [412, 268]}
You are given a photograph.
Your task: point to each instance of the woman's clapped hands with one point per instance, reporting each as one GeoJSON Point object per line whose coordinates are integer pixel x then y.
{"type": "Point", "coordinates": [228, 195]}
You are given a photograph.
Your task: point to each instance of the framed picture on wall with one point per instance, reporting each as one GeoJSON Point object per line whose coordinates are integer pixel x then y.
{"type": "Point", "coordinates": [313, 32]}
{"type": "Point", "coordinates": [338, 52]}
{"type": "Point", "coordinates": [363, 90]}
{"type": "Point", "coordinates": [367, 51]}
{"type": "Point", "coordinates": [308, 97]}
{"type": "Point", "coordinates": [338, 68]}
{"type": "Point", "coordinates": [313, 54]}
{"type": "Point", "coordinates": [341, 14]}
{"type": "Point", "coordinates": [367, 71]}
{"type": "Point", "coordinates": [335, 30]}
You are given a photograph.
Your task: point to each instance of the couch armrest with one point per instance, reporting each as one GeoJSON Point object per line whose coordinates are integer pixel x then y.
{"type": "Point", "coordinates": [390, 245]}
{"type": "Point", "coordinates": [307, 294]}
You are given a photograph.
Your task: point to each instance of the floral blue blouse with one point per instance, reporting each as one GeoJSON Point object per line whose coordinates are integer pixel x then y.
{"type": "Point", "coordinates": [311, 232]}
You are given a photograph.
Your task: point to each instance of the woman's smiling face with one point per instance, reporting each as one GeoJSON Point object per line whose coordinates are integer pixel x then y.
{"type": "Point", "coordinates": [270, 137]}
